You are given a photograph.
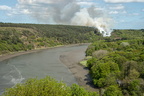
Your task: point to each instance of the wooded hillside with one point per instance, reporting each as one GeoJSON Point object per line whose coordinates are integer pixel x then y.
{"type": "Point", "coordinates": [17, 37]}
{"type": "Point", "coordinates": [117, 63]}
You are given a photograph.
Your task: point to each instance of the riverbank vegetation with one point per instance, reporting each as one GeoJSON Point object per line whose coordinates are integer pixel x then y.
{"type": "Point", "coordinates": [117, 63]}
{"type": "Point", "coordinates": [47, 87]}
{"type": "Point", "coordinates": [23, 37]}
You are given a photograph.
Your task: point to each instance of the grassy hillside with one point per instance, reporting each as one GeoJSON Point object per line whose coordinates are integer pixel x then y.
{"type": "Point", "coordinates": [17, 37]}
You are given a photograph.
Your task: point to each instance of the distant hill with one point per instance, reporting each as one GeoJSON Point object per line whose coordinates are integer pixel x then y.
{"type": "Point", "coordinates": [23, 37]}
{"type": "Point", "coordinates": [17, 37]}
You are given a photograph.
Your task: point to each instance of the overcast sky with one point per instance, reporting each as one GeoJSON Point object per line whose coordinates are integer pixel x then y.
{"type": "Point", "coordinates": [123, 14]}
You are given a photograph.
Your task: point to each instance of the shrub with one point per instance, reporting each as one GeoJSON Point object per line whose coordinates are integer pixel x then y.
{"type": "Point", "coordinates": [99, 54]}
{"type": "Point", "coordinates": [46, 87]}
{"type": "Point", "coordinates": [113, 90]}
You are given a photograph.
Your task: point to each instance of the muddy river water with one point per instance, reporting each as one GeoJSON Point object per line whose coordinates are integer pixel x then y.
{"type": "Point", "coordinates": [38, 64]}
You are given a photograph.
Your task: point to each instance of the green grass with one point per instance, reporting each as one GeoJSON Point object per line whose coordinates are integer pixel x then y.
{"type": "Point", "coordinates": [88, 57]}
{"type": "Point", "coordinates": [84, 63]}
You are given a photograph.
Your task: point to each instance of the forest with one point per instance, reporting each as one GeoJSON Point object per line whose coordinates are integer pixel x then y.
{"type": "Point", "coordinates": [116, 63]}
{"type": "Point", "coordinates": [23, 37]}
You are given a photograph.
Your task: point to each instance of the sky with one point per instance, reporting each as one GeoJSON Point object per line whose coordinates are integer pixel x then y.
{"type": "Point", "coordinates": [109, 14]}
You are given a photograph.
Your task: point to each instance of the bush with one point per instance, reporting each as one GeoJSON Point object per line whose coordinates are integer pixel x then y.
{"type": "Point", "coordinates": [91, 62]}
{"type": "Point", "coordinates": [46, 87]}
{"type": "Point", "coordinates": [79, 91]}
{"type": "Point", "coordinates": [101, 71]}
{"type": "Point", "coordinates": [113, 90]}
{"type": "Point", "coordinates": [99, 54]}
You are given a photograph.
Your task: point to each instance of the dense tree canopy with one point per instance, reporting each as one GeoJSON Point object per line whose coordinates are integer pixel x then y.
{"type": "Point", "coordinates": [117, 64]}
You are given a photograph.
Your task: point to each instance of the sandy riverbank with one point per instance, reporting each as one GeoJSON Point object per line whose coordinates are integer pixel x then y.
{"type": "Point", "coordinates": [71, 60]}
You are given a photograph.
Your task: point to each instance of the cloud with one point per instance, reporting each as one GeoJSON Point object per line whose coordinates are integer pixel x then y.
{"type": "Point", "coordinates": [122, 1]}
{"type": "Point", "coordinates": [49, 2]}
{"type": "Point", "coordinates": [135, 14]}
{"type": "Point", "coordinates": [117, 7]}
{"type": "Point", "coordinates": [84, 0]}
{"type": "Point", "coordinates": [56, 11]}
{"type": "Point", "coordinates": [25, 11]}
{"type": "Point", "coordinates": [4, 7]}
{"type": "Point", "coordinates": [44, 11]}
{"type": "Point", "coordinates": [70, 12]}
{"type": "Point", "coordinates": [113, 12]}
{"type": "Point", "coordinates": [118, 12]}
{"type": "Point", "coordinates": [85, 3]}
{"type": "Point", "coordinates": [143, 10]}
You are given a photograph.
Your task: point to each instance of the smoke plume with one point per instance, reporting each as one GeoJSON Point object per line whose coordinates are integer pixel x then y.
{"type": "Point", "coordinates": [71, 12]}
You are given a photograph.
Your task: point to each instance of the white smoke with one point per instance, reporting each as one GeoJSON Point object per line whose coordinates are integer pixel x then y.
{"type": "Point", "coordinates": [101, 23]}
{"type": "Point", "coordinates": [71, 12]}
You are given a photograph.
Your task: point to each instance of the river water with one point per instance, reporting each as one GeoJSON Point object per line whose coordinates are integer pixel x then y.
{"type": "Point", "coordinates": [38, 64]}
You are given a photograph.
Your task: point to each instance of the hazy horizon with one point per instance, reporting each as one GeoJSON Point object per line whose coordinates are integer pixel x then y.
{"type": "Point", "coordinates": [108, 14]}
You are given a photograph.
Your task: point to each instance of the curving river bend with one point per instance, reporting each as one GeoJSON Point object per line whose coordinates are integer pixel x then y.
{"type": "Point", "coordinates": [39, 64]}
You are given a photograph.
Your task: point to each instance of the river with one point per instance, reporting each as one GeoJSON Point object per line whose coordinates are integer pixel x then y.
{"type": "Point", "coordinates": [38, 64]}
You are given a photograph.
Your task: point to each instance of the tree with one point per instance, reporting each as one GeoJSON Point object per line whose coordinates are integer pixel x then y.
{"type": "Point", "coordinates": [91, 62]}
{"type": "Point", "coordinates": [99, 54]}
{"type": "Point", "coordinates": [101, 71]}
{"type": "Point", "coordinates": [129, 69]}
{"type": "Point", "coordinates": [113, 90]}
{"type": "Point", "coordinates": [46, 87]}
{"type": "Point", "coordinates": [90, 50]}
{"type": "Point", "coordinates": [79, 91]}
{"type": "Point", "coordinates": [134, 88]}
{"type": "Point", "coordinates": [35, 87]}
